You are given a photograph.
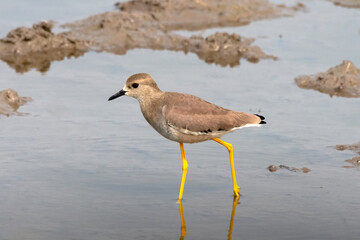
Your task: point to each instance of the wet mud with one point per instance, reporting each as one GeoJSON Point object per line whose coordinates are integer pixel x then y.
{"type": "Point", "coordinates": [26, 48]}
{"type": "Point", "coordinates": [347, 3]}
{"type": "Point", "coordinates": [202, 14]}
{"type": "Point", "coordinates": [226, 49]}
{"type": "Point", "coordinates": [342, 80]}
{"type": "Point", "coordinates": [10, 102]}
{"type": "Point", "coordinates": [355, 161]}
{"type": "Point", "coordinates": [352, 147]}
{"type": "Point", "coordinates": [146, 24]}
{"type": "Point", "coordinates": [273, 168]}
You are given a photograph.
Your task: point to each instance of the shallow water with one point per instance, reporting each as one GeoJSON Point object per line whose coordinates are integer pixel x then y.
{"type": "Point", "coordinates": [79, 167]}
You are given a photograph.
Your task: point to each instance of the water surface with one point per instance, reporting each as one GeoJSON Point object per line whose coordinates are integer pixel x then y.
{"type": "Point", "coordinates": [79, 167]}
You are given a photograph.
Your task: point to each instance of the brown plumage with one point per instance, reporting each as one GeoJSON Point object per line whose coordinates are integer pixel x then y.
{"type": "Point", "coordinates": [182, 117]}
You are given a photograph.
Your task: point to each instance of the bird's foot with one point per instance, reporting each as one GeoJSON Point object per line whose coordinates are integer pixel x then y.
{"type": "Point", "coordinates": [236, 191]}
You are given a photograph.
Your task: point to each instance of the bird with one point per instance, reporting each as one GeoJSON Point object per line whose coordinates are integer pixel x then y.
{"type": "Point", "coordinates": [185, 118]}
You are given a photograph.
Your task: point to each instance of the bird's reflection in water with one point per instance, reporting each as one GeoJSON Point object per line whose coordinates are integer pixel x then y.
{"type": "Point", "coordinates": [182, 219]}
{"type": "Point", "coordinates": [183, 225]}
{"type": "Point", "coordinates": [235, 203]}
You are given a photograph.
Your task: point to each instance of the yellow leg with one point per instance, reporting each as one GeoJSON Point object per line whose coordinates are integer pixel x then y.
{"type": "Point", "coordinates": [230, 149]}
{"type": "Point", "coordinates": [182, 219]}
{"type": "Point", "coordinates": [184, 168]}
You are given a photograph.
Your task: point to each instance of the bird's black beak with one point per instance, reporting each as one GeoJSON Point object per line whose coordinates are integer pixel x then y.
{"type": "Point", "coordinates": [118, 94]}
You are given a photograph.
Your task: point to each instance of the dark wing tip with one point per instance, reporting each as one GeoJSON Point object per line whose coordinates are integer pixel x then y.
{"type": "Point", "coordinates": [261, 117]}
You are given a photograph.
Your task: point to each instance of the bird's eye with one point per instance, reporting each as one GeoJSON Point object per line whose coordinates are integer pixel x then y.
{"type": "Point", "coordinates": [135, 85]}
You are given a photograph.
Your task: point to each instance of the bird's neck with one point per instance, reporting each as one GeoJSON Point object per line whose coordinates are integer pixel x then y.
{"type": "Point", "coordinates": [149, 98]}
{"type": "Point", "coordinates": [151, 108]}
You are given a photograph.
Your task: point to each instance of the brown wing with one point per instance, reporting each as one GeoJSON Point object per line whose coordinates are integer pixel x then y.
{"type": "Point", "coordinates": [195, 114]}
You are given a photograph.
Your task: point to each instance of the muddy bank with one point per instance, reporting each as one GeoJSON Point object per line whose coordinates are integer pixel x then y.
{"type": "Point", "coordinates": [342, 80]}
{"type": "Point", "coordinates": [355, 161]}
{"type": "Point", "coordinates": [36, 47]}
{"type": "Point", "coordinates": [119, 32]}
{"type": "Point", "coordinates": [225, 49]}
{"type": "Point", "coordinates": [347, 3]}
{"type": "Point", "coordinates": [273, 168]}
{"type": "Point", "coordinates": [202, 14]}
{"type": "Point", "coordinates": [352, 147]}
{"type": "Point", "coordinates": [10, 102]}
{"type": "Point", "coordinates": [146, 24]}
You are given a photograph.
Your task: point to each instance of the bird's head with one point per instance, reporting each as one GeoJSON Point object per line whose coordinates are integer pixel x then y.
{"type": "Point", "coordinates": [138, 86]}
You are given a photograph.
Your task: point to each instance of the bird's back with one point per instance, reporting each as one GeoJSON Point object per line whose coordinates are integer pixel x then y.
{"type": "Point", "coordinates": [188, 118]}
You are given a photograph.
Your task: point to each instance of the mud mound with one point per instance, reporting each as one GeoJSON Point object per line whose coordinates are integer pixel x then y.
{"type": "Point", "coordinates": [118, 32]}
{"type": "Point", "coordinates": [342, 80]}
{"type": "Point", "coordinates": [201, 14]}
{"type": "Point", "coordinates": [36, 47]}
{"type": "Point", "coordinates": [10, 102]}
{"type": "Point", "coordinates": [347, 3]}
{"type": "Point", "coordinates": [352, 147]}
{"type": "Point", "coordinates": [273, 168]}
{"type": "Point", "coordinates": [145, 24]}
{"type": "Point", "coordinates": [226, 49]}
{"type": "Point", "coordinates": [355, 161]}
